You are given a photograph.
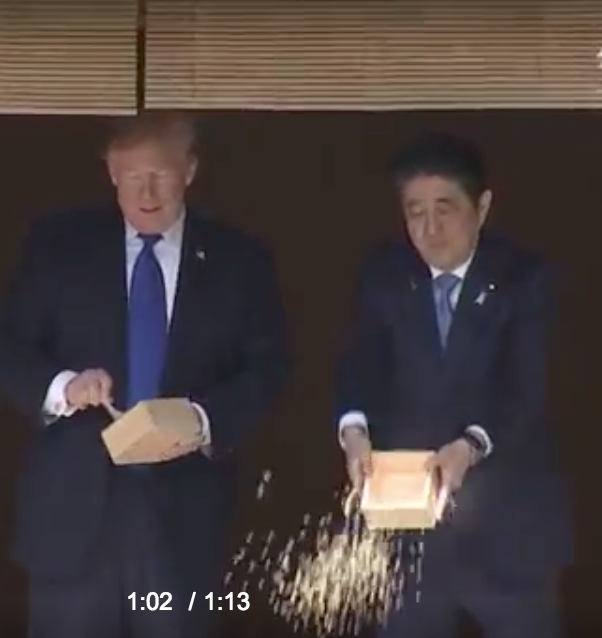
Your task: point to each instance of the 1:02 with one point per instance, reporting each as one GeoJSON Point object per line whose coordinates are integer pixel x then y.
{"type": "Point", "coordinates": [215, 602]}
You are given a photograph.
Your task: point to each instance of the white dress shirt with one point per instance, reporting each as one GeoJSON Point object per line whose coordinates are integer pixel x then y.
{"type": "Point", "coordinates": [359, 419]}
{"type": "Point", "coordinates": [168, 252]}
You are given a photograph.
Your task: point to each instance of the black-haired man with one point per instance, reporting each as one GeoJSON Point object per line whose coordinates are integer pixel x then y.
{"type": "Point", "coordinates": [449, 352]}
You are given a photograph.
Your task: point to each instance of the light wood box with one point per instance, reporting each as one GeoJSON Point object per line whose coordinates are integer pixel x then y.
{"type": "Point", "coordinates": [147, 432]}
{"type": "Point", "coordinates": [401, 494]}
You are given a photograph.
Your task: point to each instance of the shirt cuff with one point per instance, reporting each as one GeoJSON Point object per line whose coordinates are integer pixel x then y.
{"type": "Point", "coordinates": [205, 424]}
{"type": "Point", "coordinates": [351, 419]}
{"type": "Point", "coordinates": [55, 403]}
{"type": "Point", "coordinates": [480, 433]}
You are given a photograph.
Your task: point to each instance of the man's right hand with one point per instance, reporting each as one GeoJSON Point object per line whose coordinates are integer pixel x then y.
{"type": "Point", "coordinates": [90, 388]}
{"type": "Point", "coordinates": [358, 451]}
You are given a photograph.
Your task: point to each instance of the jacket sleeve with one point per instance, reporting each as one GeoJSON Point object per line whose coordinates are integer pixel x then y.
{"type": "Point", "coordinates": [516, 417]}
{"type": "Point", "coordinates": [242, 397]}
{"type": "Point", "coordinates": [26, 326]}
{"type": "Point", "coordinates": [366, 367]}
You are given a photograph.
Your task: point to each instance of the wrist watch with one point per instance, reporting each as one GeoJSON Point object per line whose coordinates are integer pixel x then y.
{"type": "Point", "coordinates": [477, 446]}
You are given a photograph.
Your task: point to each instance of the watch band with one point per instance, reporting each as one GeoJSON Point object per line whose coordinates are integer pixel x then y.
{"type": "Point", "coordinates": [477, 445]}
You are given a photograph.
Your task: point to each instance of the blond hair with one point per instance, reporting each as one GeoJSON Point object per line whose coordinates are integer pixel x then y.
{"type": "Point", "coordinates": [153, 126]}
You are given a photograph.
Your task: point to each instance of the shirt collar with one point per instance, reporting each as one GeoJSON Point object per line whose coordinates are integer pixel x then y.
{"type": "Point", "coordinates": [172, 236]}
{"type": "Point", "coordinates": [459, 272]}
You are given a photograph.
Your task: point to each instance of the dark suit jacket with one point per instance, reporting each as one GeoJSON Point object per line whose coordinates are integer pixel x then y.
{"type": "Point", "coordinates": [67, 309]}
{"type": "Point", "coordinates": [511, 517]}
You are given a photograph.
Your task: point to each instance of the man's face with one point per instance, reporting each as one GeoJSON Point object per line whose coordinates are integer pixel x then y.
{"type": "Point", "coordinates": [151, 179]}
{"type": "Point", "coordinates": [443, 221]}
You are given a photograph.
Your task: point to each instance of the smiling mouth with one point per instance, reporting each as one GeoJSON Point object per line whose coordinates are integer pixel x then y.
{"type": "Point", "coordinates": [150, 211]}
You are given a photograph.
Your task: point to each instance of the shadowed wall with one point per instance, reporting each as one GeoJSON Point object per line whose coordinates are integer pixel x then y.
{"type": "Point", "coordinates": [313, 186]}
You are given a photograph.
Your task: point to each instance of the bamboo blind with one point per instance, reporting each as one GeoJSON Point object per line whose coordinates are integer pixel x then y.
{"type": "Point", "coordinates": [374, 54]}
{"type": "Point", "coordinates": [68, 56]}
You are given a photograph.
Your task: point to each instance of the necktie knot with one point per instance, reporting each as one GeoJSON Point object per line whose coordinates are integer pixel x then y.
{"type": "Point", "coordinates": [150, 240]}
{"type": "Point", "coordinates": [446, 283]}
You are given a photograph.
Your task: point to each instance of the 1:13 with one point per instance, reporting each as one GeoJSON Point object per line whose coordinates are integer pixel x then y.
{"type": "Point", "coordinates": [243, 597]}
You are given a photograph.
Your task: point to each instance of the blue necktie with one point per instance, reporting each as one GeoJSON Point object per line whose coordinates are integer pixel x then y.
{"type": "Point", "coordinates": [444, 286]}
{"type": "Point", "coordinates": [147, 325]}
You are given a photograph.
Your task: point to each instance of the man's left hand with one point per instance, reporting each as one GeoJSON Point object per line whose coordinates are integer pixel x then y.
{"type": "Point", "coordinates": [200, 443]}
{"type": "Point", "coordinates": [179, 449]}
{"type": "Point", "coordinates": [452, 462]}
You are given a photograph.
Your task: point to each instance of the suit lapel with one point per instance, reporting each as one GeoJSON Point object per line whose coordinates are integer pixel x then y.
{"type": "Point", "coordinates": [108, 273]}
{"type": "Point", "coordinates": [475, 305]}
{"type": "Point", "coordinates": [192, 278]}
{"type": "Point", "coordinates": [420, 307]}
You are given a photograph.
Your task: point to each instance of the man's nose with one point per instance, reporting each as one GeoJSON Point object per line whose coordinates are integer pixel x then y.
{"type": "Point", "coordinates": [431, 226]}
{"type": "Point", "coordinates": [148, 189]}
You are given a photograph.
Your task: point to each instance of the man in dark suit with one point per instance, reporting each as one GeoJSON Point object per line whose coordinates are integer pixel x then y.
{"type": "Point", "coordinates": [449, 352]}
{"type": "Point", "coordinates": [113, 307]}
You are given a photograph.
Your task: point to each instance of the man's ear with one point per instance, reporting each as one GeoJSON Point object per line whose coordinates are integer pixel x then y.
{"type": "Point", "coordinates": [192, 170]}
{"type": "Point", "coordinates": [484, 206]}
{"type": "Point", "coordinates": [111, 168]}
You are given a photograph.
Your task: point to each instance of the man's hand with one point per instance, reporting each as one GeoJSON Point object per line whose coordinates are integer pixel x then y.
{"type": "Point", "coordinates": [358, 451]}
{"type": "Point", "coordinates": [452, 462]}
{"type": "Point", "coordinates": [201, 442]}
{"type": "Point", "coordinates": [89, 388]}
{"type": "Point", "coordinates": [180, 449]}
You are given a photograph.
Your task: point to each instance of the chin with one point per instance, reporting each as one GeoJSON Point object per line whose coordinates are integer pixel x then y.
{"type": "Point", "coordinates": [150, 222]}
{"type": "Point", "coordinates": [435, 260]}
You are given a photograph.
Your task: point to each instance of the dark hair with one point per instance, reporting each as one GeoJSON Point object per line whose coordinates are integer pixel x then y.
{"type": "Point", "coordinates": [128, 131]}
{"type": "Point", "coordinates": [442, 155]}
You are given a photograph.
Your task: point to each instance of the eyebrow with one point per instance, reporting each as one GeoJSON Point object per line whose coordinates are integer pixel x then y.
{"type": "Point", "coordinates": [440, 200]}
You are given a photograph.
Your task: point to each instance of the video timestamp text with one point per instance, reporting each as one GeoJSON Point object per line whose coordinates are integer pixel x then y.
{"type": "Point", "coordinates": [229, 601]}
{"type": "Point", "coordinates": [153, 601]}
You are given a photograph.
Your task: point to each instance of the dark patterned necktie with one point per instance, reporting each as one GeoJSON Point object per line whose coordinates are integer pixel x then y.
{"type": "Point", "coordinates": [444, 286]}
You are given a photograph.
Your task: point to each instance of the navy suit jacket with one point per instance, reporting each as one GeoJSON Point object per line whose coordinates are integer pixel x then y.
{"type": "Point", "coordinates": [512, 512]}
{"type": "Point", "coordinates": [67, 309]}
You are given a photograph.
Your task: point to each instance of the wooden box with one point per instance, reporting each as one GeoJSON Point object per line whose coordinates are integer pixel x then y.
{"type": "Point", "coordinates": [401, 494]}
{"type": "Point", "coordinates": [150, 430]}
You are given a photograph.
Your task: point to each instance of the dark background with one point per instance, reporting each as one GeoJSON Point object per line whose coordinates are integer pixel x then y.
{"type": "Point", "coordinates": [314, 187]}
